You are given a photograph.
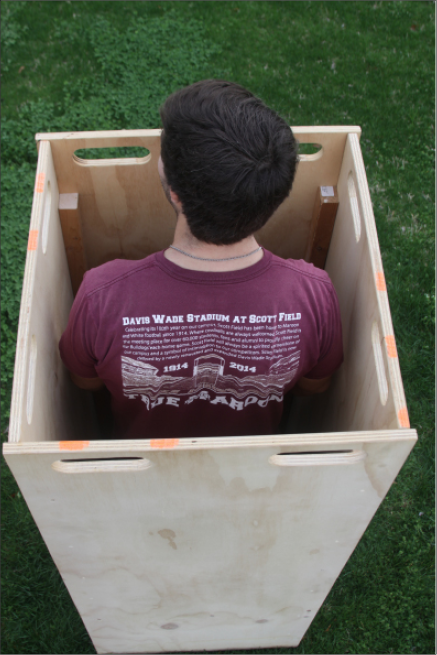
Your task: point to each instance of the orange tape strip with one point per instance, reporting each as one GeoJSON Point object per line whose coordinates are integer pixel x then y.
{"type": "Point", "coordinates": [39, 185]}
{"type": "Point", "coordinates": [73, 445]}
{"type": "Point", "coordinates": [33, 240]}
{"type": "Point", "coordinates": [164, 443]}
{"type": "Point", "coordinates": [391, 346]}
{"type": "Point", "coordinates": [404, 421]}
{"type": "Point", "coordinates": [380, 281]}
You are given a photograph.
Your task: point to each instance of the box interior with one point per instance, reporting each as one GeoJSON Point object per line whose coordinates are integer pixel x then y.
{"type": "Point", "coordinates": [124, 214]}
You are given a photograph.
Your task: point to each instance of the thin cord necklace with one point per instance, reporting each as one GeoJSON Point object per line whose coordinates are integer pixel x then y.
{"type": "Point", "coordinates": [208, 259]}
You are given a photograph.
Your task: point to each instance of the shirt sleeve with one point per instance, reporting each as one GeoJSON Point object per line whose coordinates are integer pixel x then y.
{"type": "Point", "coordinates": [77, 344]}
{"type": "Point", "coordinates": [331, 347]}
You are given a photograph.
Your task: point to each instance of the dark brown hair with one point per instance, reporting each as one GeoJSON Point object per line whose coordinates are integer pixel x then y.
{"type": "Point", "coordinates": [230, 159]}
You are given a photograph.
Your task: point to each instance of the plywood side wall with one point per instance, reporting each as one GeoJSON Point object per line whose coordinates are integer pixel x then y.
{"type": "Point", "coordinates": [45, 404]}
{"type": "Point", "coordinates": [367, 392]}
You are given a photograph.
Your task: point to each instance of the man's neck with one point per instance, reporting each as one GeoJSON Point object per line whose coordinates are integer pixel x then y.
{"type": "Point", "coordinates": [185, 241]}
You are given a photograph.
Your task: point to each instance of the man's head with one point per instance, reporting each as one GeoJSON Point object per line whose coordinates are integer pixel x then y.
{"type": "Point", "coordinates": [229, 159]}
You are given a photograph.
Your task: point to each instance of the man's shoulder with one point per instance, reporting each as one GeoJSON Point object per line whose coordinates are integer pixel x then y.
{"type": "Point", "coordinates": [113, 273]}
{"type": "Point", "coordinates": [301, 268]}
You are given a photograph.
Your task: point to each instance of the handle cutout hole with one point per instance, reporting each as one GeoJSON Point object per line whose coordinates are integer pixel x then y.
{"type": "Point", "coordinates": [46, 217]}
{"type": "Point", "coordinates": [356, 214]}
{"type": "Point", "coordinates": [102, 465]}
{"type": "Point", "coordinates": [316, 452]}
{"type": "Point", "coordinates": [109, 156]}
{"type": "Point", "coordinates": [379, 363]}
{"type": "Point", "coordinates": [318, 458]}
{"type": "Point", "coordinates": [102, 459]}
{"type": "Point", "coordinates": [31, 379]}
{"type": "Point", "coordinates": [310, 151]}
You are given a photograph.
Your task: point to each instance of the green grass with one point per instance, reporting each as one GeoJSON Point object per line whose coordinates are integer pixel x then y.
{"type": "Point", "coordinates": [108, 65]}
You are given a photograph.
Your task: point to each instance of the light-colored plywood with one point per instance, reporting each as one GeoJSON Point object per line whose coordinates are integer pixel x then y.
{"type": "Point", "coordinates": [125, 213]}
{"type": "Point", "coordinates": [71, 224]}
{"type": "Point", "coordinates": [287, 232]}
{"type": "Point", "coordinates": [206, 547]}
{"type": "Point", "coordinates": [367, 392]}
{"type": "Point", "coordinates": [45, 402]}
{"type": "Point", "coordinates": [124, 209]}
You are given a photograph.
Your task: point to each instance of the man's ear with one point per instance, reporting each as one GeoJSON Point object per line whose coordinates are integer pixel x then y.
{"type": "Point", "coordinates": [175, 198]}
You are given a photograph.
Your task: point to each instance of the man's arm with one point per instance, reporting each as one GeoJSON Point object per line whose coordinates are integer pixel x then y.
{"type": "Point", "coordinates": [304, 387]}
{"type": "Point", "coordinates": [89, 384]}
{"type": "Point", "coordinates": [102, 403]}
{"type": "Point", "coordinates": [307, 387]}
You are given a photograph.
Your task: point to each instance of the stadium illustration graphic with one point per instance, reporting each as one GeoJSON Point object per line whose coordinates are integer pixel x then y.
{"type": "Point", "coordinates": [208, 373]}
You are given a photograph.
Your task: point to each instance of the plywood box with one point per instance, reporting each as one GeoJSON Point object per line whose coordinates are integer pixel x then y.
{"type": "Point", "coordinates": [214, 543]}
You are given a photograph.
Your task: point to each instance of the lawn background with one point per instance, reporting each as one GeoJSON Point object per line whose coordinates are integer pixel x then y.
{"type": "Point", "coordinates": [70, 66]}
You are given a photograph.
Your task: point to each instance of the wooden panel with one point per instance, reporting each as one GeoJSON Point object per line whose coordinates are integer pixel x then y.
{"type": "Point", "coordinates": [322, 225]}
{"type": "Point", "coordinates": [45, 404]}
{"type": "Point", "coordinates": [367, 392]}
{"type": "Point", "coordinates": [124, 209]}
{"type": "Point", "coordinates": [125, 213]}
{"type": "Point", "coordinates": [71, 224]}
{"type": "Point", "coordinates": [287, 232]}
{"type": "Point", "coordinates": [208, 545]}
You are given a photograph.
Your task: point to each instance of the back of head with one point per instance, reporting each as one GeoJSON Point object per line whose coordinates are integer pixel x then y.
{"type": "Point", "coordinates": [230, 159]}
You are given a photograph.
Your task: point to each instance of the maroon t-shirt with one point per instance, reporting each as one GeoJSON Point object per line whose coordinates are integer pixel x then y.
{"type": "Point", "coordinates": [187, 353]}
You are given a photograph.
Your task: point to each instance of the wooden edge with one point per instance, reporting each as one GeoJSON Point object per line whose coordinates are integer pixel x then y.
{"type": "Point", "coordinates": [368, 217]}
{"type": "Point", "coordinates": [104, 134]}
{"type": "Point", "coordinates": [205, 443]}
{"type": "Point", "coordinates": [322, 226]}
{"type": "Point", "coordinates": [71, 226]}
{"type": "Point", "coordinates": [109, 134]}
{"type": "Point", "coordinates": [327, 129]}
{"type": "Point", "coordinates": [19, 389]}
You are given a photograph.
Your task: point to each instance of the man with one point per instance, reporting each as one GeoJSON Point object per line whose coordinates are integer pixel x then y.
{"type": "Point", "coordinates": [206, 337]}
